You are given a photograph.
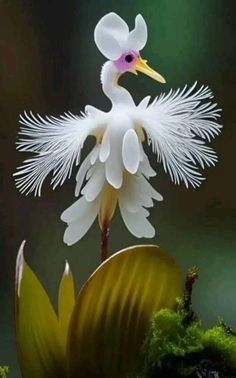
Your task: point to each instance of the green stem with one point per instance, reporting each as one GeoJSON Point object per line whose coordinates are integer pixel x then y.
{"type": "Point", "coordinates": [104, 242]}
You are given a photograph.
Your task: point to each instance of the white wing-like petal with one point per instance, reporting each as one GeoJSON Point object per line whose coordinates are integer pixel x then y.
{"type": "Point", "coordinates": [177, 125]}
{"type": "Point", "coordinates": [110, 34]}
{"type": "Point", "coordinates": [57, 144]}
{"type": "Point", "coordinates": [137, 38]}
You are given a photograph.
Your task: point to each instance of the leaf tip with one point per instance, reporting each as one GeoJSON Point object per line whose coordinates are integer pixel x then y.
{"type": "Point", "coordinates": [20, 261]}
{"type": "Point", "coordinates": [67, 269]}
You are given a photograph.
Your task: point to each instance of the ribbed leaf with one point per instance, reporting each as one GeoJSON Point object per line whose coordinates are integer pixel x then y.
{"type": "Point", "coordinates": [113, 310]}
{"type": "Point", "coordinates": [39, 339]}
{"type": "Point", "coordinates": [66, 301]}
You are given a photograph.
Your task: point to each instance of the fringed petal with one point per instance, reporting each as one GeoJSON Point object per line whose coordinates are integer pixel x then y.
{"type": "Point", "coordinates": [177, 125]}
{"type": "Point", "coordinates": [57, 143]}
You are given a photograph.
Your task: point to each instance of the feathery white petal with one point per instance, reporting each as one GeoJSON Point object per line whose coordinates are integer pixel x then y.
{"type": "Point", "coordinates": [177, 125]}
{"type": "Point", "coordinates": [57, 143]}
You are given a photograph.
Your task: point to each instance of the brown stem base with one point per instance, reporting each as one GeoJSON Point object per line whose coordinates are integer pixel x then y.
{"type": "Point", "coordinates": [104, 242]}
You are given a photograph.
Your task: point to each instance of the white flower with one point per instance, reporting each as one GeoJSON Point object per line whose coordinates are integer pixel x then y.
{"type": "Point", "coordinates": [117, 169]}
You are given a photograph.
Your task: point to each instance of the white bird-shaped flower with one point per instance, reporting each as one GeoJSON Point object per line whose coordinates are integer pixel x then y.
{"type": "Point", "coordinates": [117, 169]}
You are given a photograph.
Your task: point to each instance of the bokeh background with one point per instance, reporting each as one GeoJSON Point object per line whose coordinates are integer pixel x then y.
{"type": "Point", "coordinates": [49, 63]}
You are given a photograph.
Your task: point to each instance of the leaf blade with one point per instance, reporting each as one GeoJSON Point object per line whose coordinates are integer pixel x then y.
{"type": "Point", "coordinates": [39, 342]}
{"type": "Point", "coordinates": [113, 310]}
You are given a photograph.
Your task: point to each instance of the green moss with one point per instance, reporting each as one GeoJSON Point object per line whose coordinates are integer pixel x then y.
{"type": "Point", "coordinates": [169, 336]}
{"type": "Point", "coordinates": [217, 341]}
{"type": "Point", "coordinates": [169, 342]}
{"type": "Point", "coordinates": [176, 348]}
{"type": "Point", "coordinates": [4, 370]}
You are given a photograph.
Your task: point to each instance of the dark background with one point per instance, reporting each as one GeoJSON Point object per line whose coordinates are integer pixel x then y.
{"type": "Point", "coordinates": [50, 64]}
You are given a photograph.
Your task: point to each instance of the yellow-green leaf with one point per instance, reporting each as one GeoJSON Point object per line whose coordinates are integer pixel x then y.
{"type": "Point", "coordinates": [113, 311]}
{"type": "Point", "coordinates": [39, 340]}
{"type": "Point", "coordinates": [66, 301]}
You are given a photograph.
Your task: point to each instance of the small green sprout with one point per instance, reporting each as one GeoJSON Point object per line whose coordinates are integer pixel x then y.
{"type": "Point", "coordinates": [4, 370]}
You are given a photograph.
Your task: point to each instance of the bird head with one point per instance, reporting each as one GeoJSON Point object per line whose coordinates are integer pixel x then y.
{"type": "Point", "coordinates": [122, 47]}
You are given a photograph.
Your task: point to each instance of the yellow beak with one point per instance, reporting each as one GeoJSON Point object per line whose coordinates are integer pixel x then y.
{"type": "Point", "coordinates": [142, 66]}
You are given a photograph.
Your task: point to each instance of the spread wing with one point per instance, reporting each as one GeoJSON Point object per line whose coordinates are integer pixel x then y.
{"type": "Point", "coordinates": [56, 142]}
{"type": "Point", "coordinates": [178, 125]}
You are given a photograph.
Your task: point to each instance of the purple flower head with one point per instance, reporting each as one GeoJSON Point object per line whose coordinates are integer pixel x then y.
{"type": "Point", "coordinates": [126, 61]}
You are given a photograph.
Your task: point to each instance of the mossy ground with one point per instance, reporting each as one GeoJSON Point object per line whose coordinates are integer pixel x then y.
{"type": "Point", "coordinates": [177, 346]}
{"type": "Point", "coordinates": [173, 349]}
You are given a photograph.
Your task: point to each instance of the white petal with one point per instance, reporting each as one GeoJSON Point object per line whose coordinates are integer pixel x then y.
{"type": "Point", "coordinates": [94, 112]}
{"type": "Point", "coordinates": [81, 174]}
{"type": "Point", "coordinates": [144, 103]}
{"type": "Point", "coordinates": [95, 184]}
{"type": "Point", "coordinates": [147, 189]}
{"type": "Point", "coordinates": [137, 223]}
{"type": "Point", "coordinates": [114, 165]}
{"type": "Point", "coordinates": [94, 154]}
{"type": "Point", "coordinates": [131, 151]}
{"type": "Point", "coordinates": [129, 198]}
{"type": "Point", "coordinates": [76, 230]}
{"type": "Point", "coordinates": [138, 37]}
{"type": "Point", "coordinates": [105, 147]}
{"type": "Point", "coordinates": [110, 34]}
{"type": "Point", "coordinates": [114, 169]}
{"type": "Point", "coordinates": [137, 193]}
{"type": "Point", "coordinates": [76, 211]}
{"type": "Point", "coordinates": [146, 168]}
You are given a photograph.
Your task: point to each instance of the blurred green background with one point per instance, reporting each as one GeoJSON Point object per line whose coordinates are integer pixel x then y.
{"type": "Point", "coordinates": [49, 64]}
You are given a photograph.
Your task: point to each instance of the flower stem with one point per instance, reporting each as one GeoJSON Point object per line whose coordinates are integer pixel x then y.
{"type": "Point", "coordinates": [104, 242]}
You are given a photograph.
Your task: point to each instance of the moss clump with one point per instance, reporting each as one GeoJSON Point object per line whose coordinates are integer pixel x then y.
{"type": "Point", "coordinates": [177, 346]}
{"type": "Point", "coordinates": [169, 343]}
{"type": "Point", "coordinates": [4, 370]}
{"type": "Point", "coordinates": [170, 337]}
{"type": "Point", "coordinates": [175, 349]}
{"type": "Point", "coordinates": [217, 341]}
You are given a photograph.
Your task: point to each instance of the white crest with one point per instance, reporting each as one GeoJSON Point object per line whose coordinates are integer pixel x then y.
{"type": "Point", "coordinates": [112, 35]}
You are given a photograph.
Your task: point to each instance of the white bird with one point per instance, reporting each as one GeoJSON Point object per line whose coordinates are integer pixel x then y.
{"type": "Point", "coordinates": [117, 169]}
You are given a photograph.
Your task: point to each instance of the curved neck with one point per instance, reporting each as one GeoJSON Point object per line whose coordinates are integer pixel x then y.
{"type": "Point", "coordinates": [110, 86]}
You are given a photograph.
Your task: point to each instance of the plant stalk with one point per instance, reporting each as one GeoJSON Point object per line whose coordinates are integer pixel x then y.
{"type": "Point", "coordinates": [104, 242]}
